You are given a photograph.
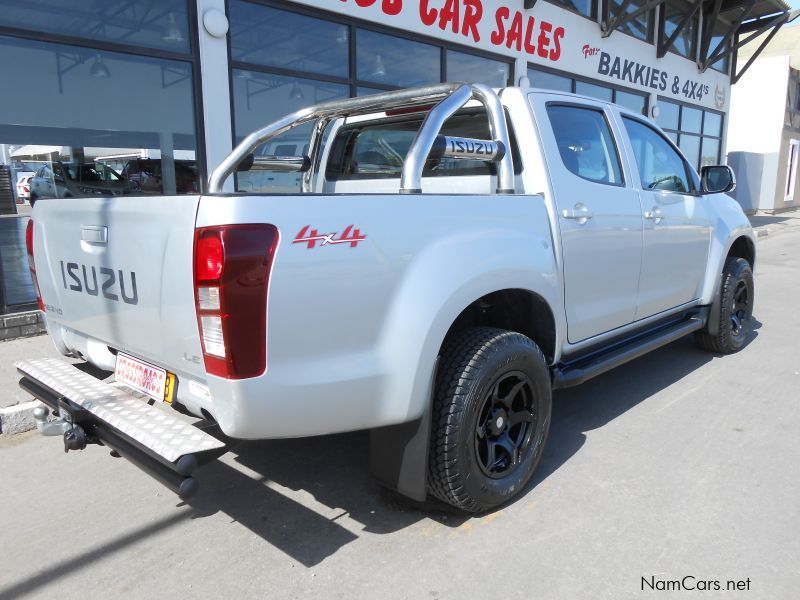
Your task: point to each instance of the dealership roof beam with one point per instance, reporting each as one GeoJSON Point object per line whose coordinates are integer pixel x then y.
{"type": "Point", "coordinates": [664, 46]}
{"type": "Point", "coordinates": [724, 46]}
{"type": "Point", "coordinates": [622, 16]}
{"type": "Point", "coordinates": [709, 21]}
{"type": "Point", "coordinates": [775, 22]}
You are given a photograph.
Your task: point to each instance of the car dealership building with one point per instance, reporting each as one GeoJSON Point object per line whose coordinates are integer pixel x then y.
{"type": "Point", "coordinates": [158, 91]}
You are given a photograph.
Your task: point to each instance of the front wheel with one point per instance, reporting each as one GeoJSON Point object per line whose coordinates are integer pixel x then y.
{"type": "Point", "coordinates": [491, 415]}
{"type": "Point", "coordinates": [736, 309]}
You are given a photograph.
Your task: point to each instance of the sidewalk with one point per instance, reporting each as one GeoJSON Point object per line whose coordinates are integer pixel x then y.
{"type": "Point", "coordinates": [769, 225]}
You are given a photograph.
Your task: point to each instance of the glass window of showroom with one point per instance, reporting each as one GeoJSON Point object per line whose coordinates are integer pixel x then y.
{"type": "Point", "coordinates": [103, 101]}
{"type": "Point", "coordinates": [283, 60]}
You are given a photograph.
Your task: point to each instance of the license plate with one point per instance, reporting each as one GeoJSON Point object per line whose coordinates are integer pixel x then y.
{"type": "Point", "coordinates": [143, 377]}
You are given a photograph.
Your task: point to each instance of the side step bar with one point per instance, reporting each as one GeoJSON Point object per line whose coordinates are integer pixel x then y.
{"type": "Point", "coordinates": [574, 373]}
{"type": "Point", "coordinates": [93, 412]}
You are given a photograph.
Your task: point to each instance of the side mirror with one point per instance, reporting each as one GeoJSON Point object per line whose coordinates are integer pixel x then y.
{"type": "Point", "coordinates": [717, 179]}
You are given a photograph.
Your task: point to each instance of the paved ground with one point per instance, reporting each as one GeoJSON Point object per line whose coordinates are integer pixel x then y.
{"type": "Point", "coordinates": [10, 352]}
{"type": "Point", "coordinates": [678, 464]}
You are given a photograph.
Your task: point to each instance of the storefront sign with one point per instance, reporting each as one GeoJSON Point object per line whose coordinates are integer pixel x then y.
{"type": "Point", "coordinates": [511, 29]}
{"type": "Point", "coordinates": [545, 35]}
{"type": "Point", "coordinates": [630, 71]}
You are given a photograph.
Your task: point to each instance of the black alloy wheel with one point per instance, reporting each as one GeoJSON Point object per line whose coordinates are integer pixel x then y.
{"type": "Point", "coordinates": [505, 424]}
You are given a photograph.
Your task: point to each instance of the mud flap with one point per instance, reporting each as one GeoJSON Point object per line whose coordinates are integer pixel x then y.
{"type": "Point", "coordinates": [398, 454]}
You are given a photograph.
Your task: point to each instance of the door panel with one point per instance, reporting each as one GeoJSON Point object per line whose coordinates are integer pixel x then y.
{"type": "Point", "coordinates": [600, 219]}
{"type": "Point", "coordinates": [677, 223]}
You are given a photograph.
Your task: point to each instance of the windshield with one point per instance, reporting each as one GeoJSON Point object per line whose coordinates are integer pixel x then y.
{"type": "Point", "coordinates": [90, 173]}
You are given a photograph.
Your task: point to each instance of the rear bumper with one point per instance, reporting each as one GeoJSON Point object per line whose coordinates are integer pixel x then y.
{"type": "Point", "coordinates": [167, 448]}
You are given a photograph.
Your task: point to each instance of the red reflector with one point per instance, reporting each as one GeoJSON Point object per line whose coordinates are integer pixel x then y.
{"type": "Point", "coordinates": [29, 237]}
{"type": "Point", "coordinates": [31, 264]}
{"type": "Point", "coordinates": [209, 256]}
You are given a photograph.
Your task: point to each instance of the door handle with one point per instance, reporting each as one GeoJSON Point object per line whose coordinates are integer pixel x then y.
{"type": "Point", "coordinates": [94, 234]}
{"type": "Point", "coordinates": [579, 213]}
{"type": "Point", "coordinates": [654, 215]}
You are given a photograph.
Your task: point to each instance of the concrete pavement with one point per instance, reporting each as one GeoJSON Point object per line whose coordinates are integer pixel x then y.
{"type": "Point", "coordinates": [678, 464]}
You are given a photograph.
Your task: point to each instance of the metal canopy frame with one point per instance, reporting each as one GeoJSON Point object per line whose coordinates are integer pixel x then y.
{"type": "Point", "coordinates": [662, 47]}
{"type": "Point", "coordinates": [755, 28]}
{"type": "Point", "coordinates": [609, 25]}
{"type": "Point", "coordinates": [720, 50]}
{"type": "Point", "coordinates": [448, 98]}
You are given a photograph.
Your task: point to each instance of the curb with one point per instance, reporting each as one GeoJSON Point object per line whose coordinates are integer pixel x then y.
{"type": "Point", "coordinates": [20, 325]}
{"type": "Point", "coordinates": [18, 418]}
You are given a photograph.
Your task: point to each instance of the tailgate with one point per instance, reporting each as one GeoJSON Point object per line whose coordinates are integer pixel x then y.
{"type": "Point", "coordinates": [119, 271]}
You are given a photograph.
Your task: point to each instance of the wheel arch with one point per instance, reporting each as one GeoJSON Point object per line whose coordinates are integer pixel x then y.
{"type": "Point", "coordinates": [743, 247]}
{"type": "Point", "coordinates": [514, 309]}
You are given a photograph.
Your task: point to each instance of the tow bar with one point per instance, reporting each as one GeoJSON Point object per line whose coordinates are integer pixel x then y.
{"type": "Point", "coordinates": [89, 411]}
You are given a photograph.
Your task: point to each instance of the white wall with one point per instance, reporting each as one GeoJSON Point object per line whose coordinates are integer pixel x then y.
{"type": "Point", "coordinates": [755, 127]}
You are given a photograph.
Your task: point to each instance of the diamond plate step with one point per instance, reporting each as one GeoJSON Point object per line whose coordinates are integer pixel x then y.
{"type": "Point", "coordinates": [155, 429]}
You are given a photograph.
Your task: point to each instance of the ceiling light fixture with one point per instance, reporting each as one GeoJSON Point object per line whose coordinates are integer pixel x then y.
{"type": "Point", "coordinates": [172, 32]}
{"type": "Point", "coordinates": [296, 93]}
{"type": "Point", "coordinates": [380, 68]}
{"type": "Point", "coordinates": [99, 69]}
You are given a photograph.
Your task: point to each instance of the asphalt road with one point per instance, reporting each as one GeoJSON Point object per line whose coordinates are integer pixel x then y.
{"type": "Point", "coordinates": [679, 464]}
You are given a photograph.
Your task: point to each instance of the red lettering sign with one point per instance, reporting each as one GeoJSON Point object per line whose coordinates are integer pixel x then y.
{"type": "Point", "coordinates": [513, 29]}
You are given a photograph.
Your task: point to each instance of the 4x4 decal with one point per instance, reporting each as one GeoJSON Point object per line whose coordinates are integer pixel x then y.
{"type": "Point", "coordinates": [349, 236]}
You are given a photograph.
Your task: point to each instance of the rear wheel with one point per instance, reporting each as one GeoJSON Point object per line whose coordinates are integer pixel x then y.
{"type": "Point", "coordinates": [491, 415]}
{"type": "Point", "coordinates": [736, 309]}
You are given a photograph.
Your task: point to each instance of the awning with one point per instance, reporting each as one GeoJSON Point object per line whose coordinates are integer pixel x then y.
{"type": "Point", "coordinates": [38, 152]}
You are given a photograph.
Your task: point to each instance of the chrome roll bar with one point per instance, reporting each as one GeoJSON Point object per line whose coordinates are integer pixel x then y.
{"type": "Point", "coordinates": [449, 98]}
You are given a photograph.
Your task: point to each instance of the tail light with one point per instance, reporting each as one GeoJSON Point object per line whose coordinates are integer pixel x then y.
{"type": "Point", "coordinates": [232, 265]}
{"type": "Point", "coordinates": [31, 264]}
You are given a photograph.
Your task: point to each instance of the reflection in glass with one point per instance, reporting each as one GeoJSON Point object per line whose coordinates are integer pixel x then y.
{"type": "Point", "coordinates": [712, 124]}
{"type": "Point", "coordinates": [395, 61]}
{"type": "Point", "coordinates": [583, 7]}
{"type": "Point", "coordinates": [690, 119]}
{"type": "Point", "coordinates": [88, 117]}
{"type": "Point", "coordinates": [690, 146]}
{"type": "Point", "coordinates": [668, 113]}
{"type": "Point", "coordinates": [162, 24]}
{"type": "Point", "coordinates": [260, 98]}
{"type": "Point", "coordinates": [549, 81]}
{"type": "Point", "coordinates": [637, 26]}
{"type": "Point", "coordinates": [468, 67]}
{"type": "Point", "coordinates": [685, 42]}
{"type": "Point", "coordinates": [710, 153]}
{"type": "Point", "coordinates": [268, 36]}
{"type": "Point", "coordinates": [720, 29]}
{"type": "Point", "coordinates": [367, 91]}
{"type": "Point", "coordinates": [595, 91]}
{"type": "Point", "coordinates": [633, 102]}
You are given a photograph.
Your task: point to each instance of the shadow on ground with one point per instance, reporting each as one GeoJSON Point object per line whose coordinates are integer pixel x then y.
{"type": "Point", "coordinates": [334, 470]}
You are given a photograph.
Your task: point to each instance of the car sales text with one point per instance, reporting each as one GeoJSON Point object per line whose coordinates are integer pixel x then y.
{"type": "Point", "coordinates": [512, 29]}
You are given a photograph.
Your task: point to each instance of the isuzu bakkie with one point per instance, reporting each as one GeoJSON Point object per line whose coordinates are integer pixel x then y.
{"type": "Point", "coordinates": [454, 254]}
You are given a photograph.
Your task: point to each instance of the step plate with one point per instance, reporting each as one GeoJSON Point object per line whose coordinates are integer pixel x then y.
{"type": "Point", "coordinates": [152, 427]}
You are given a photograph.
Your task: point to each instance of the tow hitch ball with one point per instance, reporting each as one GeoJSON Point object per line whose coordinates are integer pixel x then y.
{"type": "Point", "coordinates": [74, 435]}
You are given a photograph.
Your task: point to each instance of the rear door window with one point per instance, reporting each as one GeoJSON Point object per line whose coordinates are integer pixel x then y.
{"type": "Point", "coordinates": [585, 143]}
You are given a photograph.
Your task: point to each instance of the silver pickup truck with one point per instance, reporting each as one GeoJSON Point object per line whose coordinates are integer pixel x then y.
{"type": "Point", "coordinates": [454, 255]}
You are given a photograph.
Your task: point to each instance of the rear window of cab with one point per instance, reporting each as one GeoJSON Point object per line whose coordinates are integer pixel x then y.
{"type": "Point", "coordinates": [377, 149]}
